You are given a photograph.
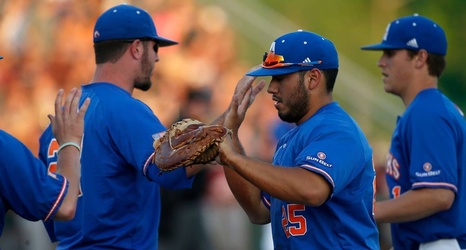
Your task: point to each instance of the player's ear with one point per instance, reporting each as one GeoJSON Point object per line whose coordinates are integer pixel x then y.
{"type": "Point", "coordinates": [312, 78]}
{"type": "Point", "coordinates": [421, 57]}
{"type": "Point", "coordinates": [136, 48]}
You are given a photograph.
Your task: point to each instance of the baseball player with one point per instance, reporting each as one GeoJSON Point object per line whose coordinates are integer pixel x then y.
{"type": "Point", "coordinates": [318, 193]}
{"type": "Point", "coordinates": [26, 187]}
{"type": "Point", "coordinates": [426, 164]}
{"type": "Point", "coordinates": [119, 204]}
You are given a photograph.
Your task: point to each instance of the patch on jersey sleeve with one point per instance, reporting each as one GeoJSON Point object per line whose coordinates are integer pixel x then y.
{"type": "Point", "coordinates": [427, 167]}
{"type": "Point", "coordinates": [320, 159]}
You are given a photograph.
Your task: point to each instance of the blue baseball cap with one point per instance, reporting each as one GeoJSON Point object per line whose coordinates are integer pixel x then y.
{"type": "Point", "coordinates": [298, 51]}
{"type": "Point", "coordinates": [414, 33]}
{"type": "Point", "coordinates": [125, 21]}
{"type": "Point", "coordinates": [1, 57]}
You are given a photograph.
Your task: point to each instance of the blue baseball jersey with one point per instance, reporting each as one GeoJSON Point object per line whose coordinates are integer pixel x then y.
{"type": "Point", "coordinates": [119, 206]}
{"type": "Point", "coordinates": [428, 150]}
{"type": "Point", "coordinates": [26, 187]}
{"type": "Point", "coordinates": [332, 145]}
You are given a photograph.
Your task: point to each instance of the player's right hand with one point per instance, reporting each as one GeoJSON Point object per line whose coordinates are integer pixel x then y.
{"type": "Point", "coordinates": [68, 122]}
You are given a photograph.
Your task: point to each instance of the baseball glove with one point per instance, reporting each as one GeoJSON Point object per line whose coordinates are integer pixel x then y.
{"type": "Point", "coordinates": [188, 142]}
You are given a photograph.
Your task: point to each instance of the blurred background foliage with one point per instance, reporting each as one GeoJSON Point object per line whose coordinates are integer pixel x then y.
{"type": "Point", "coordinates": [351, 24]}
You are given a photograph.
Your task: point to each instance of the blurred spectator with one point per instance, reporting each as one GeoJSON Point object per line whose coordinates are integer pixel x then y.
{"type": "Point", "coordinates": [181, 223]}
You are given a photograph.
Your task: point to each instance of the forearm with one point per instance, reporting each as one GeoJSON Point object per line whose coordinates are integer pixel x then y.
{"type": "Point", "coordinates": [69, 166]}
{"type": "Point", "coordinates": [292, 184]}
{"type": "Point", "coordinates": [414, 205]}
{"type": "Point", "coordinates": [248, 196]}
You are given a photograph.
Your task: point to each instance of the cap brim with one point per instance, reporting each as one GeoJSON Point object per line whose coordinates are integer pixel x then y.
{"type": "Point", "coordinates": [379, 46]}
{"type": "Point", "coordinates": [163, 42]}
{"type": "Point", "coordinates": [278, 71]}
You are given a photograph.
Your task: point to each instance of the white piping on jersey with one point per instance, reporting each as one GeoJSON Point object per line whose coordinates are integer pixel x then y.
{"type": "Point", "coordinates": [59, 198]}
{"type": "Point", "coordinates": [144, 169]}
{"type": "Point", "coordinates": [435, 184]}
{"type": "Point", "coordinates": [320, 171]}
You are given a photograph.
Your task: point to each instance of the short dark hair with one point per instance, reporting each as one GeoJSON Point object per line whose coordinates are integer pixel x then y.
{"type": "Point", "coordinates": [436, 63]}
{"type": "Point", "coordinates": [330, 77]}
{"type": "Point", "coordinates": [110, 51]}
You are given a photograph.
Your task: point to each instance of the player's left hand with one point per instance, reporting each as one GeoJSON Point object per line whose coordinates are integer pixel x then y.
{"type": "Point", "coordinates": [244, 95]}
